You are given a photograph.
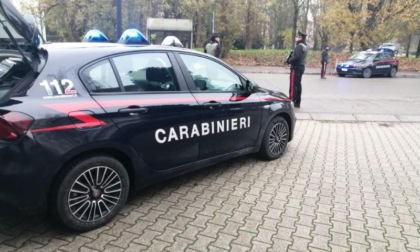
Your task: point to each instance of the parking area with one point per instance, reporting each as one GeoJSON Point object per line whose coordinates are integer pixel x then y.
{"type": "Point", "coordinates": [340, 186]}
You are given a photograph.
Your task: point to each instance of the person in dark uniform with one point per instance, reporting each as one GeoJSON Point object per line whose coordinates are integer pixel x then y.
{"type": "Point", "coordinates": [297, 63]}
{"type": "Point", "coordinates": [324, 61]}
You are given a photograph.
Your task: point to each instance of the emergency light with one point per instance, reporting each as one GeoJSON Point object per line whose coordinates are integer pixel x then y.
{"type": "Point", "coordinates": [133, 37]}
{"type": "Point", "coordinates": [95, 36]}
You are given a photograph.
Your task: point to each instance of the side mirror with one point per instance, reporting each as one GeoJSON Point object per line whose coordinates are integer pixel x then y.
{"type": "Point", "coordinates": [251, 87]}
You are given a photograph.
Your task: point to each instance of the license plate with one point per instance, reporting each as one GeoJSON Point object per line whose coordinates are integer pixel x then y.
{"type": "Point", "coordinates": [344, 69]}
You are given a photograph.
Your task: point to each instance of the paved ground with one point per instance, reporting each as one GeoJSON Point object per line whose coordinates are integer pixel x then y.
{"type": "Point", "coordinates": [340, 186]}
{"type": "Point", "coordinates": [347, 182]}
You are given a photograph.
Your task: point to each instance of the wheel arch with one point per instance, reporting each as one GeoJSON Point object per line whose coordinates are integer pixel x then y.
{"type": "Point", "coordinates": [288, 119]}
{"type": "Point", "coordinates": [282, 114]}
{"type": "Point", "coordinates": [118, 154]}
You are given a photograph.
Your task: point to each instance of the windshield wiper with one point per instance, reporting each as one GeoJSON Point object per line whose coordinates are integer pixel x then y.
{"type": "Point", "coordinates": [6, 29]}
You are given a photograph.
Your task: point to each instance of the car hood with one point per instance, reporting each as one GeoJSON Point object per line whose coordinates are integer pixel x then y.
{"type": "Point", "coordinates": [20, 27]}
{"type": "Point", "coordinates": [272, 93]}
{"type": "Point", "coordinates": [353, 62]}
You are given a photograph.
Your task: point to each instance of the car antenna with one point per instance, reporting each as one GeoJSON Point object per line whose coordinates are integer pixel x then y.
{"type": "Point", "coordinates": [6, 29]}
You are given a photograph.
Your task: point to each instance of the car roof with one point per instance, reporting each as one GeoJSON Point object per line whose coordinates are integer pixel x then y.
{"type": "Point", "coordinates": [108, 47]}
{"type": "Point", "coordinates": [388, 44]}
{"type": "Point", "coordinates": [90, 51]}
{"type": "Point", "coordinates": [369, 52]}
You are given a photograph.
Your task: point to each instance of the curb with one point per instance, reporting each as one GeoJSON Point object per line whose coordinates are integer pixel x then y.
{"type": "Point", "coordinates": [359, 118]}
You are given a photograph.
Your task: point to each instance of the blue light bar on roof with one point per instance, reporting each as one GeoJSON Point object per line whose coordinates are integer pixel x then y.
{"type": "Point", "coordinates": [95, 36]}
{"type": "Point", "coordinates": [133, 37]}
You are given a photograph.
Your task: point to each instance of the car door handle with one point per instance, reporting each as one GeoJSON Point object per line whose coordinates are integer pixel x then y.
{"type": "Point", "coordinates": [212, 104]}
{"type": "Point", "coordinates": [133, 110]}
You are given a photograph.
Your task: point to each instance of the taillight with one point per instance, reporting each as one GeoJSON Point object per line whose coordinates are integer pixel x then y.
{"type": "Point", "coordinates": [13, 125]}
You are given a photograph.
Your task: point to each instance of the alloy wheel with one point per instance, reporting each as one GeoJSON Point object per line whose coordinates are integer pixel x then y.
{"type": "Point", "coordinates": [94, 194]}
{"type": "Point", "coordinates": [278, 139]}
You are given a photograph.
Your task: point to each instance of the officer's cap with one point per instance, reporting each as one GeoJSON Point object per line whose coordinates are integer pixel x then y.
{"type": "Point", "coordinates": [301, 34]}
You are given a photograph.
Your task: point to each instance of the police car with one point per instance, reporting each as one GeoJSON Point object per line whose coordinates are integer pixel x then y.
{"type": "Point", "coordinates": [369, 63]}
{"type": "Point", "coordinates": [84, 125]}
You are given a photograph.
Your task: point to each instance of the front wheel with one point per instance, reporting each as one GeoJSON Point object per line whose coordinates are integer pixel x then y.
{"type": "Point", "coordinates": [341, 75]}
{"type": "Point", "coordinates": [275, 139]}
{"type": "Point", "coordinates": [367, 73]}
{"type": "Point", "coordinates": [90, 192]}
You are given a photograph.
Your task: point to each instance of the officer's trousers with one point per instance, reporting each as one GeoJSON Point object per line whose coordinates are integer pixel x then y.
{"type": "Point", "coordinates": [323, 69]}
{"type": "Point", "coordinates": [295, 89]}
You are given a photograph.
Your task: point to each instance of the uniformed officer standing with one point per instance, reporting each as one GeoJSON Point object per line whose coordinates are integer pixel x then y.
{"type": "Point", "coordinates": [324, 62]}
{"type": "Point", "coordinates": [297, 62]}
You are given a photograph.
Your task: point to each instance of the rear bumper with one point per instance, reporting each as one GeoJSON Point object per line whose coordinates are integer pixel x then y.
{"type": "Point", "coordinates": [24, 177]}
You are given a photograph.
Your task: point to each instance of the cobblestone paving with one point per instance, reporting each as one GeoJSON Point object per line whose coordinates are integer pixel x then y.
{"type": "Point", "coordinates": [340, 187]}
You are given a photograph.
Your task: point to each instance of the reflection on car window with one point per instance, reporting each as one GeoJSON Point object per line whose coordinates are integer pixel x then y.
{"type": "Point", "coordinates": [144, 72]}
{"type": "Point", "coordinates": [100, 78]}
{"type": "Point", "coordinates": [362, 56]}
{"type": "Point", "coordinates": [211, 76]}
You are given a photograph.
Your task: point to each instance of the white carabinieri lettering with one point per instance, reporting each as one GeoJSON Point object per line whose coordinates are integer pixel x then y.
{"type": "Point", "coordinates": [197, 130]}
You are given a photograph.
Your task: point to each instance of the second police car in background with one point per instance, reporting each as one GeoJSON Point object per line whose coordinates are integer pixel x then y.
{"type": "Point", "coordinates": [83, 125]}
{"type": "Point", "coordinates": [369, 63]}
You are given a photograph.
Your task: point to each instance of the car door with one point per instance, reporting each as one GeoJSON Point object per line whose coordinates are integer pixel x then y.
{"type": "Point", "coordinates": [380, 64]}
{"type": "Point", "coordinates": [230, 114]}
{"type": "Point", "coordinates": [389, 62]}
{"type": "Point", "coordinates": [150, 105]}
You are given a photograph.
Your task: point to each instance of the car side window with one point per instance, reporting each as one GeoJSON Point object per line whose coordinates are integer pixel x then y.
{"type": "Point", "coordinates": [380, 56]}
{"type": "Point", "coordinates": [100, 78]}
{"type": "Point", "coordinates": [210, 76]}
{"type": "Point", "coordinates": [387, 56]}
{"type": "Point", "coordinates": [145, 72]}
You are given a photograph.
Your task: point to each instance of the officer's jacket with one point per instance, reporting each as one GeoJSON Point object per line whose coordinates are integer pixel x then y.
{"type": "Point", "coordinates": [299, 55]}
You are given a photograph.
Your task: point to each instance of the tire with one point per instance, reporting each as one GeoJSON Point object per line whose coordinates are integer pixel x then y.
{"type": "Point", "coordinates": [100, 186]}
{"type": "Point", "coordinates": [393, 72]}
{"type": "Point", "coordinates": [367, 73]}
{"type": "Point", "coordinates": [341, 75]}
{"type": "Point", "coordinates": [275, 139]}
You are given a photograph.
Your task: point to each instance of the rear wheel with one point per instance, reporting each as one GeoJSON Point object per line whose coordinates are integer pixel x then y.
{"type": "Point", "coordinates": [275, 139]}
{"type": "Point", "coordinates": [367, 73]}
{"type": "Point", "coordinates": [341, 75]}
{"type": "Point", "coordinates": [393, 72]}
{"type": "Point", "coordinates": [90, 192]}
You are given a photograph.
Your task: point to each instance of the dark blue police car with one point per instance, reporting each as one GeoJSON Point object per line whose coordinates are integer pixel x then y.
{"type": "Point", "coordinates": [369, 63]}
{"type": "Point", "coordinates": [83, 125]}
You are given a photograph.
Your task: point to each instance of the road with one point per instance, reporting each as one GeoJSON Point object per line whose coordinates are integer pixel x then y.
{"type": "Point", "coordinates": [350, 95]}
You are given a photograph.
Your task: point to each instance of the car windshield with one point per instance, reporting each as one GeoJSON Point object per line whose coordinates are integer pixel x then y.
{"type": "Point", "coordinates": [362, 56]}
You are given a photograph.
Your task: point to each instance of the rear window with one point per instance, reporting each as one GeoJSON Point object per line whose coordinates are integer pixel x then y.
{"type": "Point", "coordinates": [12, 70]}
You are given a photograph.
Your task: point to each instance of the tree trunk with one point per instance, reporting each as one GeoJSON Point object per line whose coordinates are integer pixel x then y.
{"type": "Point", "coordinates": [407, 51]}
{"type": "Point", "coordinates": [295, 20]}
{"type": "Point", "coordinates": [418, 50]}
{"type": "Point", "coordinates": [248, 36]}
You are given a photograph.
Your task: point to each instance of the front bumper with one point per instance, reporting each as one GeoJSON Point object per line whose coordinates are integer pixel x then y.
{"type": "Point", "coordinates": [349, 71]}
